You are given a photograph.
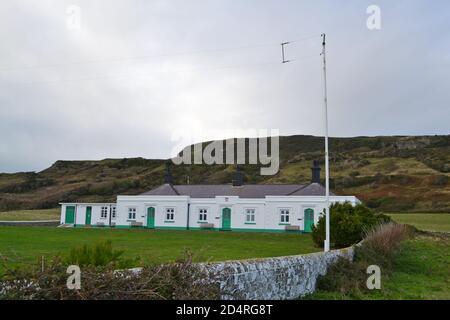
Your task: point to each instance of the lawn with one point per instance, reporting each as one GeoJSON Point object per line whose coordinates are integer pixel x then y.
{"type": "Point", "coordinates": [30, 215]}
{"type": "Point", "coordinates": [25, 244]}
{"type": "Point", "coordinates": [425, 221]}
{"type": "Point", "coordinates": [421, 271]}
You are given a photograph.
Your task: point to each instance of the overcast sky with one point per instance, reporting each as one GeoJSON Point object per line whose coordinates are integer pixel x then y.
{"type": "Point", "coordinates": [132, 74]}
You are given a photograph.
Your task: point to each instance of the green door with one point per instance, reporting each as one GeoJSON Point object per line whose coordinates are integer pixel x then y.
{"type": "Point", "coordinates": [70, 215]}
{"type": "Point", "coordinates": [151, 218]}
{"type": "Point", "coordinates": [309, 219]}
{"type": "Point", "coordinates": [88, 216]}
{"type": "Point", "coordinates": [226, 219]}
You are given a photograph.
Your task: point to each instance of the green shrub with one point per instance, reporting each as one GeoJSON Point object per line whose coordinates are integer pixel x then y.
{"type": "Point", "coordinates": [354, 174]}
{"type": "Point", "coordinates": [344, 276]}
{"type": "Point", "coordinates": [99, 254]}
{"type": "Point", "coordinates": [440, 181]}
{"type": "Point", "coordinates": [347, 224]}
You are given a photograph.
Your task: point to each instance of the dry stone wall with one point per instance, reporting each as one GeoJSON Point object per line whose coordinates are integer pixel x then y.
{"type": "Point", "coordinates": [273, 278]}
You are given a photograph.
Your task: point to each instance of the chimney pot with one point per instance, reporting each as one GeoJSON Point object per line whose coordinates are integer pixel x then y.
{"type": "Point", "coordinates": [168, 178]}
{"type": "Point", "coordinates": [238, 178]}
{"type": "Point", "coordinates": [315, 172]}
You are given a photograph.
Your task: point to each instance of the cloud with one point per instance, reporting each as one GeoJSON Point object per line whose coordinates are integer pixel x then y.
{"type": "Point", "coordinates": [137, 71]}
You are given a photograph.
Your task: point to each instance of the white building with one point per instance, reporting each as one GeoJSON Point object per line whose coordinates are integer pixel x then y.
{"type": "Point", "coordinates": [235, 207]}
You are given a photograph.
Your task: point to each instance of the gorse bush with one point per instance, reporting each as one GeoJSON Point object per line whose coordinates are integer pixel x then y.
{"type": "Point", "coordinates": [99, 254]}
{"type": "Point", "coordinates": [347, 224]}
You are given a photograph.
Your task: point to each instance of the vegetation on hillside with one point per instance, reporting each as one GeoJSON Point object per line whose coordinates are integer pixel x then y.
{"type": "Point", "coordinates": [388, 173]}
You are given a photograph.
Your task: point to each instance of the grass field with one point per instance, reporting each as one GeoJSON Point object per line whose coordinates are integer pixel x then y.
{"type": "Point", "coordinates": [30, 215]}
{"type": "Point", "coordinates": [425, 221]}
{"type": "Point", "coordinates": [421, 271]}
{"type": "Point", "coordinates": [25, 244]}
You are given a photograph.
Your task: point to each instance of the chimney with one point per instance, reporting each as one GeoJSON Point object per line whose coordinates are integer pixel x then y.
{"type": "Point", "coordinates": [238, 180]}
{"type": "Point", "coordinates": [168, 175]}
{"type": "Point", "coordinates": [315, 172]}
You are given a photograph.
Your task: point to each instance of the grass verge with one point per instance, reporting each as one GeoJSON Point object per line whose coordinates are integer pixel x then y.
{"type": "Point", "coordinates": [26, 244]}
{"type": "Point", "coordinates": [420, 271]}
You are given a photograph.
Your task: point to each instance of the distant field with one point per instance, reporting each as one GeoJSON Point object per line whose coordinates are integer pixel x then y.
{"type": "Point", "coordinates": [25, 244]}
{"type": "Point", "coordinates": [30, 215]}
{"type": "Point", "coordinates": [425, 221]}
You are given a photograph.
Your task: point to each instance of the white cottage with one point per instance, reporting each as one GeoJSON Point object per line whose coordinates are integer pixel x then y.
{"type": "Point", "coordinates": [231, 207]}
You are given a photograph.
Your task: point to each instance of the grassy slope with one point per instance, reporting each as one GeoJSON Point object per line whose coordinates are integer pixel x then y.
{"type": "Point", "coordinates": [424, 221]}
{"type": "Point", "coordinates": [390, 173]}
{"type": "Point", "coordinates": [421, 272]}
{"type": "Point", "coordinates": [31, 215]}
{"type": "Point", "coordinates": [27, 243]}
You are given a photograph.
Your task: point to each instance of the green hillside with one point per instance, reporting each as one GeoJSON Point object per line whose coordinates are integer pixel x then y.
{"type": "Point", "coordinates": [388, 173]}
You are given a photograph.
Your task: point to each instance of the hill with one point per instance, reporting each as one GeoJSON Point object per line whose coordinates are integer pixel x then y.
{"type": "Point", "coordinates": [396, 173]}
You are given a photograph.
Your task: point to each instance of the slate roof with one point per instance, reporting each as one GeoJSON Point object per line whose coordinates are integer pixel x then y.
{"type": "Point", "coordinates": [312, 189]}
{"type": "Point", "coordinates": [244, 191]}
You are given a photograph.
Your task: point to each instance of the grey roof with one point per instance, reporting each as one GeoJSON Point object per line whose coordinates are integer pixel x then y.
{"type": "Point", "coordinates": [312, 189]}
{"type": "Point", "coordinates": [244, 191]}
{"type": "Point", "coordinates": [163, 190]}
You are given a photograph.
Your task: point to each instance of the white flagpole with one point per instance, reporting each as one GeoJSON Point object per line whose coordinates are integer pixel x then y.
{"type": "Point", "coordinates": [327, 171]}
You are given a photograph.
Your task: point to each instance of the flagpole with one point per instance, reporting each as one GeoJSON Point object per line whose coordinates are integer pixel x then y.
{"type": "Point", "coordinates": [327, 170]}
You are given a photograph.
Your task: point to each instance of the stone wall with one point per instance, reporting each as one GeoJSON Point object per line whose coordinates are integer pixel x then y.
{"type": "Point", "coordinates": [273, 278]}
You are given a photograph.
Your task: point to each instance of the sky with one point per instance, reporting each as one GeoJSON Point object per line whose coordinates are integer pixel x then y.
{"type": "Point", "coordinates": [88, 80]}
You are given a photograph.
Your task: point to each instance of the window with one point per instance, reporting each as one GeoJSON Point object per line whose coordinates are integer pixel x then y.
{"type": "Point", "coordinates": [203, 214]}
{"type": "Point", "coordinates": [104, 212]}
{"type": "Point", "coordinates": [249, 215]}
{"type": "Point", "coordinates": [170, 214]}
{"type": "Point", "coordinates": [131, 213]}
{"type": "Point", "coordinates": [284, 215]}
{"type": "Point", "coordinates": [113, 212]}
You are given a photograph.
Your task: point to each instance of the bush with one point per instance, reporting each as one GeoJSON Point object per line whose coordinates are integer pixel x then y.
{"type": "Point", "coordinates": [180, 280]}
{"type": "Point", "coordinates": [347, 224]}
{"type": "Point", "coordinates": [380, 246]}
{"type": "Point", "coordinates": [99, 254]}
{"type": "Point", "coordinates": [354, 174]}
{"type": "Point", "coordinates": [440, 181]}
{"type": "Point", "coordinates": [382, 242]}
{"type": "Point", "coordinates": [344, 277]}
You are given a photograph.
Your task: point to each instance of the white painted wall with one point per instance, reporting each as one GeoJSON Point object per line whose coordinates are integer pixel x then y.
{"type": "Point", "coordinates": [267, 210]}
{"type": "Point", "coordinates": [160, 203]}
{"type": "Point", "coordinates": [80, 213]}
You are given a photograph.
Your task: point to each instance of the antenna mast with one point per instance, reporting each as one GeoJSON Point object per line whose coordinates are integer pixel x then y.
{"type": "Point", "coordinates": [327, 170]}
{"type": "Point", "coordinates": [282, 52]}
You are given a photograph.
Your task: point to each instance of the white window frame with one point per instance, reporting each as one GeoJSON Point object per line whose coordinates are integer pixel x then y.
{"type": "Point", "coordinates": [130, 210]}
{"type": "Point", "coordinates": [203, 214]}
{"type": "Point", "coordinates": [104, 212]}
{"type": "Point", "coordinates": [250, 213]}
{"type": "Point", "coordinates": [113, 212]}
{"type": "Point", "coordinates": [285, 215]}
{"type": "Point", "coordinates": [169, 216]}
